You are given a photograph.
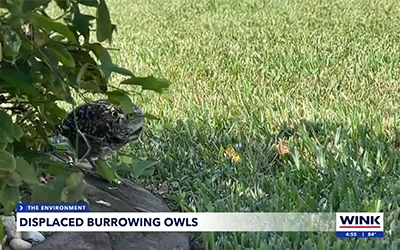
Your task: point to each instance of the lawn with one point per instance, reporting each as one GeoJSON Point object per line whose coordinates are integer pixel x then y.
{"type": "Point", "coordinates": [320, 79]}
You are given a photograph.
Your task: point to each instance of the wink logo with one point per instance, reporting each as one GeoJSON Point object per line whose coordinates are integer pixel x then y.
{"type": "Point", "coordinates": [359, 222]}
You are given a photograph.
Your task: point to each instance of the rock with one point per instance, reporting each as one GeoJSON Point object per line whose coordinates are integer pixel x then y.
{"type": "Point", "coordinates": [47, 234]}
{"type": "Point", "coordinates": [9, 222]}
{"type": "Point", "coordinates": [33, 237]}
{"type": "Point", "coordinates": [125, 197]}
{"type": "Point", "coordinates": [19, 244]}
{"type": "Point", "coordinates": [3, 242]}
{"type": "Point", "coordinates": [10, 227]}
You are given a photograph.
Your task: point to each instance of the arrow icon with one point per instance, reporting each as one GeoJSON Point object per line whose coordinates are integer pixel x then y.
{"type": "Point", "coordinates": [21, 208]}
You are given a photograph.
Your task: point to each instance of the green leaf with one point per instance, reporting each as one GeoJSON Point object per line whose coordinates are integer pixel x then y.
{"type": "Point", "coordinates": [58, 86]}
{"type": "Point", "coordinates": [81, 22]}
{"type": "Point", "coordinates": [14, 8]}
{"type": "Point", "coordinates": [58, 169]}
{"type": "Point", "coordinates": [9, 197]}
{"type": "Point", "coordinates": [119, 70]}
{"type": "Point", "coordinates": [1, 52]}
{"type": "Point", "coordinates": [84, 55]}
{"type": "Point", "coordinates": [50, 57]}
{"type": "Point", "coordinates": [63, 4]}
{"type": "Point", "coordinates": [57, 38]}
{"type": "Point", "coordinates": [41, 21]}
{"type": "Point", "coordinates": [90, 86]}
{"type": "Point", "coordinates": [321, 244]}
{"type": "Point", "coordinates": [63, 54]}
{"type": "Point", "coordinates": [11, 43]}
{"type": "Point", "coordinates": [73, 30]}
{"type": "Point", "coordinates": [10, 148]}
{"type": "Point", "coordinates": [105, 170]}
{"type": "Point", "coordinates": [96, 83]}
{"type": "Point", "coordinates": [104, 57]}
{"type": "Point", "coordinates": [6, 127]}
{"type": "Point", "coordinates": [143, 168]}
{"type": "Point", "coordinates": [26, 171]}
{"type": "Point", "coordinates": [17, 80]}
{"type": "Point", "coordinates": [123, 168]}
{"type": "Point", "coordinates": [113, 28]}
{"type": "Point", "coordinates": [4, 174]}
{"type": "Point", "coordinates": [1, 230]}
{"type": "Point", "coordinates": [81, 74]}
{"type": "Point", "coordinates": [151, 117]}
{"type": "Point", "coordinates": [90, 3]}
{"type": "Point", "coordinates": [14, 180]}
{"type": "Point", "coordinates": [3, 183]}
{"type": "Point", "coordinates": [40, 72]}
{"type": "Point", "coordinates": [75, 185]}
{"type": "Point", "coordinates": [41, 193]}
{"type": "Point", "coordinates": [56, 194]}
{"type": "Point", "coordinates": [40, 129]}
{"type": "Point", "coordinates": [54, 109]}
{"type": "Point", "coordinates": [28, 6]}
{"type": "Point", "coordinates": [16, 3]}
{"type": "Point", "coordinates": [7, 161]}
{"type": "Point", "coordinates": [120, 98]}
{"type": "Point", "coordinates": [18, 132]}
{"type": "Point", "coordinates": [103, 19]}
{"type": "Point", "coordinates": [54, 113]}
{"type": "Point", "coordinates": [148, 83]}
{"type": "Point", "coordinates": [127, 159]}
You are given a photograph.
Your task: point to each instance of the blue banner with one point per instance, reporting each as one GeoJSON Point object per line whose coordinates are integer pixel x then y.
{"type": "Point", "coordinates": [51, 207]}
{"type": "Point", "coordinates": [359, 234]}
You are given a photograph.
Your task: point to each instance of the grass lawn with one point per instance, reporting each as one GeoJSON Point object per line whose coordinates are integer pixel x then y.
{"type": "Point", "coordinates": [321, 79]}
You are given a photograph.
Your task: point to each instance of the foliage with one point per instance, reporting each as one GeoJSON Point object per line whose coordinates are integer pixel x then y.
{"type": "Point", "coordinates": [44, 62]}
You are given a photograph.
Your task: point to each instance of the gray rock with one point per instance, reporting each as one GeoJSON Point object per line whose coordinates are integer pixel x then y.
{"type": "Point", "coordinates": [125, 197]}
{"type": "Point", "coordinates": [33, 237]}
{"type": "Point", "coordinates": [19, 244]}
{"type": "Point", "coordinates": [10, 227]}
{"type": "Point", "coordinates": [4, 240]}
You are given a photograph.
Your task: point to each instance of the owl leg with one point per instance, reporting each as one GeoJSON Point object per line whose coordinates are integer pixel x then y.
{"type": "Point", "coordinates": [91, 162]}
{"type": "Point", "coordinates": [77, 161]}
{"type": "Point", "coordinates": [87, 144]}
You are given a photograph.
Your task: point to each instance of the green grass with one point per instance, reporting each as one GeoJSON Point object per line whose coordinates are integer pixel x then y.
{"type": "Point", "coordinates": [325, 75]}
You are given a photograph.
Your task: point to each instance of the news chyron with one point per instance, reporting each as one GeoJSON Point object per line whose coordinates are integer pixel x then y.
{"type": "Point", "coordinates": [76, 217]}
{"type": "Point", "coordinates": [359, 225]}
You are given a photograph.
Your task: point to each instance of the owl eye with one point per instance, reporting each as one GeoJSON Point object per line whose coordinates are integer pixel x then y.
{"type": "Point", "coordinates": [114, 114]}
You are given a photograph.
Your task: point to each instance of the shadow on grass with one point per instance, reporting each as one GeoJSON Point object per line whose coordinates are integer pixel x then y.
{"type": "Point", "coordinates": [329, 167]}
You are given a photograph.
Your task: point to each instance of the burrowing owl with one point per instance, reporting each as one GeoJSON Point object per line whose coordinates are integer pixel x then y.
{"type": "Point", "coordinates": [101, 129]}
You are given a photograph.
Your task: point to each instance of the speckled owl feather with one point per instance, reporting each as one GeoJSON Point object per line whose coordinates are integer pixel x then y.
{"type": "Point", "coordinates": [105, 127]}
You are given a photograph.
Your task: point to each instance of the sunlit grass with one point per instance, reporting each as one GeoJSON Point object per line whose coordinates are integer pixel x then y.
{"type": "Point", "coordinates": [322, 77]}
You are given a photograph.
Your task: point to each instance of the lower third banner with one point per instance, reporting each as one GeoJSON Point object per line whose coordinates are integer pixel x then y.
{"type": "Point", "coordinates": [175, 222]}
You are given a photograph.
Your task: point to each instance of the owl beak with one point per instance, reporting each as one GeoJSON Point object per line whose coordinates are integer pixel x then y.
{"type": "Point", "coordinates": [138, 131]}
{"type": "Point", "coordinates": [135, 135]}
